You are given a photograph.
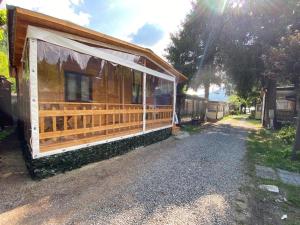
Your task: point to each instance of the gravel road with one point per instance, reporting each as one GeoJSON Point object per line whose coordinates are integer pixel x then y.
{"type": "Point", "coordinates": [189, 181]}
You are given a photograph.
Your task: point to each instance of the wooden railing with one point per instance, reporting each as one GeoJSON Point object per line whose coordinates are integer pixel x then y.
{"type": "Point", "coordinates": [64, 124]}
{"type": "Point", "coordinates": [158, 116]}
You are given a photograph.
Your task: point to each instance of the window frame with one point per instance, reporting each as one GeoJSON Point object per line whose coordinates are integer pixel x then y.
{"type": "Point", "coordinates": [78, 85]}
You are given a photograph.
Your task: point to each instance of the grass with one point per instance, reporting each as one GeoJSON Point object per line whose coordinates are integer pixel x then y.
{"type": "Point", "coordinates": [265, 148]}
{"type": "Point", "coordinates": [5, 133]}
{"type": "Point", "coordinates": [292, 192]}
{"type": "Point", "coordinates": [268, 150]}
{"type": "Point", "coordinates": [243, 117]}
{"type": "Point", "coordinates": [190, 128]}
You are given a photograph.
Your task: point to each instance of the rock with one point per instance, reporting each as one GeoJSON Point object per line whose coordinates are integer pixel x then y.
{"type": "Point", "coordinates": [241, 205]}
{"type": "Point", "coordinates": [265, 172]}
{"type": "Point", "coordinates": [284, 217]}
{"type": "Point", "coordinates": [241, 218]}
{"type": "Point", "coordinates": [270, 188]}
{"type": "Point", "coordinates": [289, 177]}
{"type": "Point", "coordinates": [241, 197]}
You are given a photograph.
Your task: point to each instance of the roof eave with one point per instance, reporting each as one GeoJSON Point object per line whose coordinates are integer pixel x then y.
{"type": "Point", "coordinates": [17, 14]}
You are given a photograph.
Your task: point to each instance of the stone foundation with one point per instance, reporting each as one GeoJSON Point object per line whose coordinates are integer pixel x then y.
{"type": "Point", "coordinates": [59, 163]}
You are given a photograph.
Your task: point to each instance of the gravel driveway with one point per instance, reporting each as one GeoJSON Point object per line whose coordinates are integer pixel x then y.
{"type": "Point", "coordinates": [189, 181]}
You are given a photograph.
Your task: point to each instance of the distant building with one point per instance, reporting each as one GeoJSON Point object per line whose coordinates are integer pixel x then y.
{"type": "Point", "coordinates": [217, 110]}
{"type": "Point", "coordinates": [286, 104]}
{"type": "Point", "coordinates": [286, 109]}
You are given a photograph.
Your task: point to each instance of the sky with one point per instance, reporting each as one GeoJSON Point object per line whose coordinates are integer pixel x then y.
{"type": "Point", "coordinates": [147, 23]}
{"type": "Point", "coordinates": [216, 93]}
{"type": "Point", "coordinates": [144, 22]}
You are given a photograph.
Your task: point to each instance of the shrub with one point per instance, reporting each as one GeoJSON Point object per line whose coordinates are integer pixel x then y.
{"type": "Point", "coordinates": [287, 134]}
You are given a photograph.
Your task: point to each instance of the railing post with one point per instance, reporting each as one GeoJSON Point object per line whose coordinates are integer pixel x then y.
{"type": "Point", "coordinates": [144, 101]}
{"type": "Point", "coordinates": [33, 95]}
{"type": "Point", "coordinates": [174, 102]}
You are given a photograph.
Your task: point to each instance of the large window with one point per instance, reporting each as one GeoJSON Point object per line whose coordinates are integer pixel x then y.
{"type": "Point", "coordinates": [78, 87]}
{"type": "Point", "coordinates": [137, 88]}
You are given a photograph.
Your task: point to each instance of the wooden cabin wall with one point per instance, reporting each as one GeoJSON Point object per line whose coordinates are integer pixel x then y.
{"type": "Point", "coordinates": [113, 86]}
{"type": "Point", "coordinates": [24, 98]}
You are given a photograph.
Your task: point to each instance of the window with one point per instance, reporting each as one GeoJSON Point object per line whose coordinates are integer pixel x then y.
{"type": "Point", "coordinates": [78, 87]}
{"type": "Point", "coordinates": [137, 88]}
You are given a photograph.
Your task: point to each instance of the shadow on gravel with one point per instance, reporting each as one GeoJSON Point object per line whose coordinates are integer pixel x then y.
{"type": "Point", "coordinates": [193, 181]}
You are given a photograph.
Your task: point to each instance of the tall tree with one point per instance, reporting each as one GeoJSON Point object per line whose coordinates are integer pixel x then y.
{"type": "Point", "coordinates": [285, 62]}
{"type": "Point", "coordinates": [4, 68]}
{"type": "Point", "coordinates": [194, 48]}
{"type": "Point", "coordinates": [254, 28]}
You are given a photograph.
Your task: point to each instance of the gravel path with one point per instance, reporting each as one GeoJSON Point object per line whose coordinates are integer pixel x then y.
{"type": "Point", "coordinates": [189, 181]}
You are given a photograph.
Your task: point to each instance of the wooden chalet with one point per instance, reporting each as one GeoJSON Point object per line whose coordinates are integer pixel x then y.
{"type": "Point", "coordinates": [79, 88]}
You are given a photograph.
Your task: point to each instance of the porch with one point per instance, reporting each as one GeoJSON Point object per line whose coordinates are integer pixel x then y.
{"type": "Point", "coordinates": [74, 95]}
{"type": "Point", "coordinates": [65, 124]}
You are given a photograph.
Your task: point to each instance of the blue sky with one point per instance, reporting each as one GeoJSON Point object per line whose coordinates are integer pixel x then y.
{"type": "Point", "coordinates": [144, 22]}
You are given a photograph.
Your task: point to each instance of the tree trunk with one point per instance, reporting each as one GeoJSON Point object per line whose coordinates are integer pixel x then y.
{"type": "Point", "coordinates": [270, 104]}
{"type": "Point", "coordinates": [206, 91]}
{"type": "Point", "coordinates": [179, 101]}
{"type": "Point", "coordinates": [296, 147]}
{"type": "Point", "coordinates": [206, 96]}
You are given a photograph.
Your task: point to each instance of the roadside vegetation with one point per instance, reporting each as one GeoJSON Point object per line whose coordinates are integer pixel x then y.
{"type": "Point", "coordinates": [191, 128]}
{"type": "Point", "coordinates": [244, 117]}
{"type": "Point", "coordinates": [5, 133]}
{"type": "Point", "coordinates": [273, 149]}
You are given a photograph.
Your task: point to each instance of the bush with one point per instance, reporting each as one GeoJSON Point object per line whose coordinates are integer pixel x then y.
{"type": "Point", "coordinates": [287, 134]}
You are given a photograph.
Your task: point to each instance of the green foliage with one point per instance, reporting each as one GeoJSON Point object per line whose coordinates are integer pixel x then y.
{"type": "Point", "coordinates": [191, 128]}
{"type": "Point", "coordinates": [287, 134]}
{"type": "Point", "coordinates": [4, 63]}
{"type": "Point", "coordinates": [5, 133]}
{"type": "Point", "coordinates": [249, 37]}
{"type": "Point", "coordinates": [193, 49]}
{"type": "Point", "coordinates": [268, 149]}
{"type": "Point", "coordinates": [236, 100]}
{"type": "Point", "coordinates": [2, 17]}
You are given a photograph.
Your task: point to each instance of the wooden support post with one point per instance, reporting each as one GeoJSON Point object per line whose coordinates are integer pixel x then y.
{"type": "Point", "coordinates": [65, 120]}
{"type": "Point", "coordinates": [53, 121]}
{"type": "Point", "coordinates": [75, 122]}
{"type": "Point", "coordinates": [84, 121]}
{"type": "Point", "coordinates": [144, 101]}
{"type": "Point", "coordinates": [106, 119]}
{"type": "Point", "coordinates": [174, 103]}
{"type": "Point", "coordinates": [42, 122]}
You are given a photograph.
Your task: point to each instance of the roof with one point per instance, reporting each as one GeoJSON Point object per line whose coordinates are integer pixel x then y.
{"type": "Point", "coordinates": [286, 88]}
{"type": "Point", "coordinates": [217, 102]}
{"type": "Point", "coordinates": [194, 97]}
{"type": "Point", "coordinates": [19, 19]}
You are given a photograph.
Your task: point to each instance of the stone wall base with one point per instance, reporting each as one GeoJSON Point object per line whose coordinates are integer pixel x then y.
{"type": "Point", "coordinates": [59, 163]}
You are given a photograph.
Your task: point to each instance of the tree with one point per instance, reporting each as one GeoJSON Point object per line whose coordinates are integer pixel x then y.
{"type": "Point", "coordinates": [253, 29]}
{"type": "Point", "coordinates": [193, 50]}
{"type": "Point", "coordinates": [4, 65]}
{"type": "Point", "coordinates": [286, 65]}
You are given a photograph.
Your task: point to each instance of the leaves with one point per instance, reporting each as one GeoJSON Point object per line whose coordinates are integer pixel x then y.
{"type": "Point", "coordinates": [2, 17]}
{"type": "Point", "coordinates": [4, 63]}
{"type": "Point", "coordinates": [193, 49]}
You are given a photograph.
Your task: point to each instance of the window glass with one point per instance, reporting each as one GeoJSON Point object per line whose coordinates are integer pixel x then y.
{"type": "Point", "coordinates": [71, 87]}
{"type": "Point", "coordinates": [159, 91]}
{"type": "Point", "coordinates": [85, 88]}
{"type": "Point", "coordinates": [159, 102]}
{"type": "Point", "coordinates": [78, 87]}
{"type": "Point", "coordinates": [137, 88]}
